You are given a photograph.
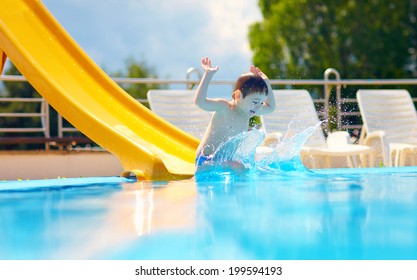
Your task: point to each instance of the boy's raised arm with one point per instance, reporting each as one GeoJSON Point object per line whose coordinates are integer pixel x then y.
{"type": "Point", "coordinates": [201, 99]}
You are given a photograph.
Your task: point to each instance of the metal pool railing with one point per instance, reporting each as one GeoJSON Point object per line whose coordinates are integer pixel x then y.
{"type": "Point", "coordinates": [42, 113]}
{"type": "Point", "coordinates": [328, 96]}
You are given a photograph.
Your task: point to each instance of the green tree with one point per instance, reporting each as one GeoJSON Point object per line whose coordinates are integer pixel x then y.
{"type": "Point", "coordinates": [375, 39]}
{"type": "Point", "coordinates": [135, 69]}
{"type": "Point", "coordinates": [361, 39]}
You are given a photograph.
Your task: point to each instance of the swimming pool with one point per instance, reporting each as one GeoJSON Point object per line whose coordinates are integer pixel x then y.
{"type": "Point", "coordinates": [328, 214]}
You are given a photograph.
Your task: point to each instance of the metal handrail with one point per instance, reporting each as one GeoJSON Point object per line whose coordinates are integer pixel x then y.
{"type": "Point", "coordinates": [327, 92]}
{"type": "Point", "coordinates": [290, 82]}
{"type": "Point", "coordinates": [188, 75]}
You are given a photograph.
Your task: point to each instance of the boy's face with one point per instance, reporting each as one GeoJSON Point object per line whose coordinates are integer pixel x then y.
{"type": "Point", "coordinates": [252, 104]}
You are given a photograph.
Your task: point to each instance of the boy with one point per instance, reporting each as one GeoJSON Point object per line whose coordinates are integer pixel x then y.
{"type": "Point", "coordinates": [252, 96]}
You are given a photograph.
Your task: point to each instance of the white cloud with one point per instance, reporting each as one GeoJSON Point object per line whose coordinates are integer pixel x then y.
{"type": "Point", "coordinates": [230, 22]}
{"type": "Point", "coordinates": [169, 35]}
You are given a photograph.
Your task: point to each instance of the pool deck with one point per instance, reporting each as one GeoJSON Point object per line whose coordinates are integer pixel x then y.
{"type": "Point", "coordinates": [15, 165]}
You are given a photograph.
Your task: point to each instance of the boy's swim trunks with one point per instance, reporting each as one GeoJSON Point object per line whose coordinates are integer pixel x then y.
{"type": "Point", "coordinates": [203, 159]}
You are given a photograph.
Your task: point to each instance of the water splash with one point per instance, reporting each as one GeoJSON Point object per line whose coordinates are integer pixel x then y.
{"type": "Point", "coordinates": [240, 155]}
{"type": "Point", "coordinates": [285, 155]}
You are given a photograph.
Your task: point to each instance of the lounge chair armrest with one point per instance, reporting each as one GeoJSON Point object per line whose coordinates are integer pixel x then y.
{"type": "Point", "coordinates": [376, 141]}
{"type": "Point", "coordinates": [374, 136]}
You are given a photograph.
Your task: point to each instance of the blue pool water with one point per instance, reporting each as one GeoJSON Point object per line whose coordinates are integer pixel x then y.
{"type": "Point", "coordinates": [326, 214]}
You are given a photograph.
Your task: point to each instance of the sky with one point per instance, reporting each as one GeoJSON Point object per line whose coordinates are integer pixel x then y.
{"type": "Point", "coordinates": [168, 35]}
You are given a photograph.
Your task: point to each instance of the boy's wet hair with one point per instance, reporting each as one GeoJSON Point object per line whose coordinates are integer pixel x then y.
{"type": "Point", "coordinates": [250, 83]}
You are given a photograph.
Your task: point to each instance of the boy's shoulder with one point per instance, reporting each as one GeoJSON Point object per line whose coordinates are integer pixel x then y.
{"type": "Point", "coordinates": [227, 106]}
{"type": "Point", "coordinates": [223, 105]}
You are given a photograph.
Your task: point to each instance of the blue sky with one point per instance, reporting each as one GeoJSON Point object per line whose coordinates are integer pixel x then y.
{"type": "Point", "coordinates": [168, 35]}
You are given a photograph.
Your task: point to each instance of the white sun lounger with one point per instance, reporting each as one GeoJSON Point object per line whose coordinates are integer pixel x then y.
{"type": "Point", "coordinates": [295, 111]}
{"type": "Point", "coordinates": [389, 125]}
{"type": "Point", "coordinates": [178, 108]}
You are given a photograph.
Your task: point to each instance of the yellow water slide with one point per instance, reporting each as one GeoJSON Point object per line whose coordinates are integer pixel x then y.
{"type": "Point", "coordinates": [82, 93]}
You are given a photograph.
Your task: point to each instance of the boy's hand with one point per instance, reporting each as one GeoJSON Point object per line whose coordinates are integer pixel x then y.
{"type": "Point", "coordinates": [206, 65]}
{"type": "Point", "coordinates": [255, 70]}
